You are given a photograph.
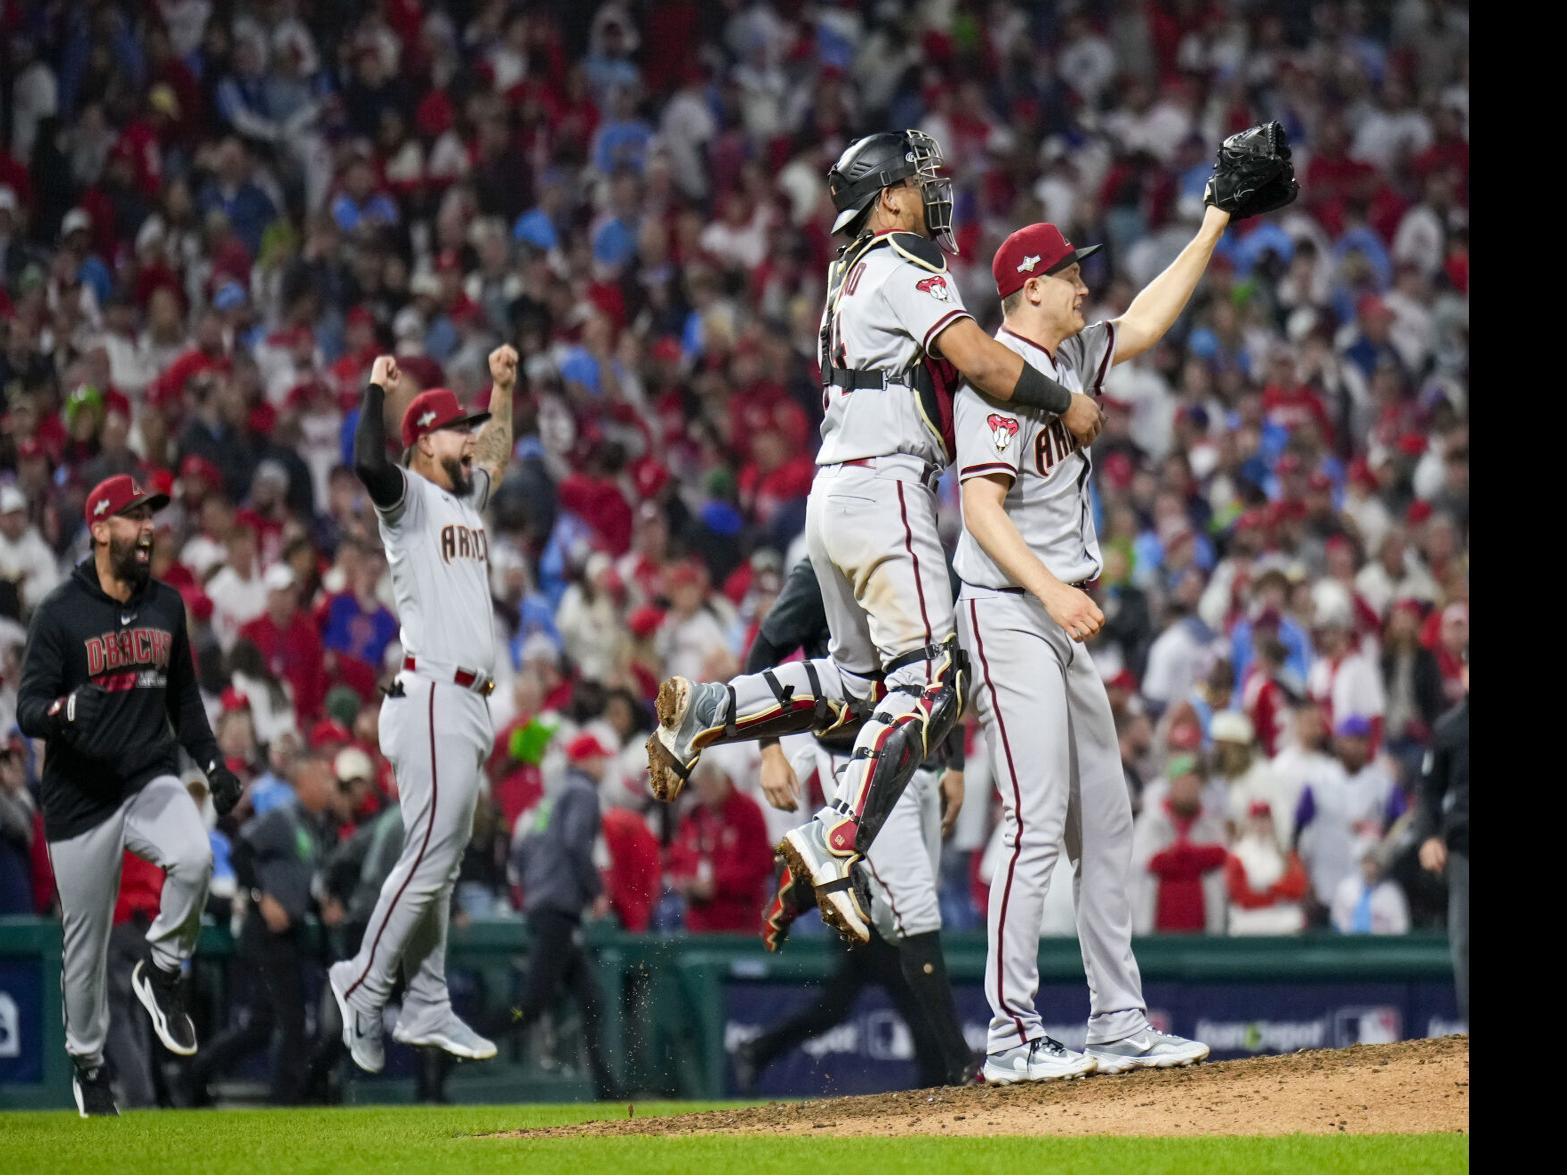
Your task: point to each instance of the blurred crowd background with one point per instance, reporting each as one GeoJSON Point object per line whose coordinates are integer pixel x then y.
{"type": "Point", "coordinates": [214, 215]}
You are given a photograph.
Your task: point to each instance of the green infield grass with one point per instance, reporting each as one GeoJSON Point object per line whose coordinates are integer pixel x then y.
{"type": "Point", "coordinates": [381, 1140]}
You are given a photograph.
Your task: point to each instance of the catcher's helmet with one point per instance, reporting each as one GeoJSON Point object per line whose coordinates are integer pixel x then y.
{"type": "Point", "coordinates": [881, 160]}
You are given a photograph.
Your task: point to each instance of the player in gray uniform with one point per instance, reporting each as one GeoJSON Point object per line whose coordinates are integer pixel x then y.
{"type": "Point", "coordinates": [435, 721]}
{"type": "Point", "coordinates": [895, 340]}
{"type": "Point", "coordinates": [1026, 557]}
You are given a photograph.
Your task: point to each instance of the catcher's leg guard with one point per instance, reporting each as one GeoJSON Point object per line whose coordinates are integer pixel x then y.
{"type": "Point", "coordinates": [896, 739]}
{"type": "Point", "coordinates": [692, 716]}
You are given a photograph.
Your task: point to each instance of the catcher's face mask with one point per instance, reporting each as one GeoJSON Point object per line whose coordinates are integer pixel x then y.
{"type": "Point", "coordinates": [925, 154]}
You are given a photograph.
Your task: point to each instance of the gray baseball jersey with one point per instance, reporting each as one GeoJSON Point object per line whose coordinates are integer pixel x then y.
{"type": "Point", "coordinates": [438, 552]}
{"type": "Point", "coordinates": [1048, 498]}
{"type": "Point", "coordinates": [885, 311]}
{"type": "Point", "coordinates": [1045, 713]}
{"type": "Point", "coordinates": [436, 734]}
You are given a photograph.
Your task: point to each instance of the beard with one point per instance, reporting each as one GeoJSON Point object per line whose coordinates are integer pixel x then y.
{"type": "Point", "coordinates": [461, 479]}
{"type": "Point", "coordinates": [126, 566]}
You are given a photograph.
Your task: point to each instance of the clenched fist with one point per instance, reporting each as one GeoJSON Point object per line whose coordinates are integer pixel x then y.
{"type": "Point", "coordinates": [503, 367]}
{"type": "Point", "coordinates": [385, 374]}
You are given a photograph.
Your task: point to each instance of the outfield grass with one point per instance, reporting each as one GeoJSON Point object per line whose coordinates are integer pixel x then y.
{"type": "Point", "coordinates": [382, 1140]}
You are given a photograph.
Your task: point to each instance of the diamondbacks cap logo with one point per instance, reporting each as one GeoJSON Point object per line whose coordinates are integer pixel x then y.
{"type": "Point", "coordinates": [1002, 430]}
{"type": "Point", "coordinates": [100, 508]}
{"type": "Point", "coordinates": [936, 287]}
{"type": "Point", "coordinates": [1027, 264]}
{"type": "Point", "coordinates": [426, 418]}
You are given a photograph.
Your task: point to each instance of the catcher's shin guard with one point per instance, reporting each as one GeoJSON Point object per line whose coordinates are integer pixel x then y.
{"type": "Point", "coordinates": [893, 745]}
{"type": "Point", "coordinates": [691, 719]}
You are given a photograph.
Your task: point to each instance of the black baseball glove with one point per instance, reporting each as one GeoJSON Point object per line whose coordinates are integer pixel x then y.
{"type": "Point", "coordinates": [78, 718]}
{"type": "Point", "coordinates": [1253, 173]}
{"type": "Point", "coordinates": [225, 787]}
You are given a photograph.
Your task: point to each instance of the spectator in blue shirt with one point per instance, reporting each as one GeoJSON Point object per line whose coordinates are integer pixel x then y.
{"type": "Point", "coordinates": [232, 192]}
{"type": "Point", "coordinates": [76, 240]}
{"type": "Point", "coordinates": [357, 627]}
{"type": "Point", "coordinates": [359, 205]}
{"type": "Point", "coordinates": [622, 138]}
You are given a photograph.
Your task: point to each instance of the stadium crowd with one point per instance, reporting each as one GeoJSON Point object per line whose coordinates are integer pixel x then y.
{"type": "Point", "coordinates": [214, 215]}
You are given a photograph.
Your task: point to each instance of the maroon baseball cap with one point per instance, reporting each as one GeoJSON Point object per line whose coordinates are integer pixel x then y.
{"type": "Point", "coordinates": [116, 495]}
{"type": "Point", "coordinates": [1034, 251]}
{"type": "Point", "coordinates": [436, 409]}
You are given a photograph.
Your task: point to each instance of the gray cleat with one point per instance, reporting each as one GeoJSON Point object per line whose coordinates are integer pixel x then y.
{"type": "Point", "coordinates": [1044, 1059]}
{"type": "Point", "coordinates": [448, 1033]}
{"type": "Point", "coordinates": [806, 852]}
{"type": "Point", "coordinates": [686, 709]}
{"type": "Point", "coordinates": [1148, 1049]}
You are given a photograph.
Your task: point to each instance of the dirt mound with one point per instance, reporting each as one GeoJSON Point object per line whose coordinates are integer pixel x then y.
{"type": "Point", "coordinates": [1413, 1087]}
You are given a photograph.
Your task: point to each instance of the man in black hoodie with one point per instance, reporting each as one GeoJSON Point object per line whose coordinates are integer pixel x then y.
{"type": "Point", "coordinates": [109, 683]}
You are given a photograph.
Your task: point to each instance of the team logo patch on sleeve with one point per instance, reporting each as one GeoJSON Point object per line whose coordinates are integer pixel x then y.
{"type": "Point", "coordinates": [936, 287]}
{"type": "Point", "coordinates": [1002, 430]}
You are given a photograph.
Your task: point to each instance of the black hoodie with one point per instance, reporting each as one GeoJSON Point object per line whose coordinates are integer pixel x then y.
{"type": "Point", "coordinates": [139, 653]}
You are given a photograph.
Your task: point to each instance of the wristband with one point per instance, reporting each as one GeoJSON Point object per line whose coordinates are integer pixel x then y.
{"type": "Point", "coordinates": [1035, 389]}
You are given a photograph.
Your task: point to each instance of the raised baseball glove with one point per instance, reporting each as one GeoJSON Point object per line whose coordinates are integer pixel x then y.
{"type": "Point", "coordinates": [1253, 173]}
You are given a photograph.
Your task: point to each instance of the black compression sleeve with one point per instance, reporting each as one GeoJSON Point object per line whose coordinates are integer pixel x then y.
{"type": "Point", "coordinates": [1035, 389]}
{"type": "Point", "coordinates": [381, 478]}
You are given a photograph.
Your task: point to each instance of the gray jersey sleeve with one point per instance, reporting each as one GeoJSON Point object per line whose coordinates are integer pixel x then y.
{"type": "Point", "coordinates": [991, 438]}
{"type": "Point", "coordinates": [924, 304]}
{"type": "Point", "coordinates": [1090, 352]}
{"type": "Point", "coordinates": [482, 487]}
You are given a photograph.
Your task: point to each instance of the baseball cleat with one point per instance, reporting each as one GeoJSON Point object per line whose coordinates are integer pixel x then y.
{"type": "Point", "coordinates": [94, 1097]}
{"type": "Point", "coordinates": [449, 1034]}
{"type": "Point", "coordinates": [1045, 1059]}
{"type": "Point", "coordinates": [685, 709]}
{"type": "Point", "coordinates": [162, 994]}
{"type": "Point", "coordinates": [805, 852]}
{"type": "Point", "coordinates": [361, 1030]}
{"type": "Point", "coordinates": [1148, 1049]}
{"type": "Point", "coordinates": [793, 898]}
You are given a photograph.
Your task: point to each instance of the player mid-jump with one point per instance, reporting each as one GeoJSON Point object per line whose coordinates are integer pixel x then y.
{"type": "Point", "coordinates": [895, 340]}
{"type": "Point", "coordinates": [435, 721]}
{"type": "Point", "coordinates": [1027, 554]}
{"type": "Point", "coordinates": [109, 682]}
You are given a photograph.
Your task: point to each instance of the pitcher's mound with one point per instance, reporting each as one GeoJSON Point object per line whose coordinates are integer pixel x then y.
{"type": "Point", "coordinates": [1418, 1086]}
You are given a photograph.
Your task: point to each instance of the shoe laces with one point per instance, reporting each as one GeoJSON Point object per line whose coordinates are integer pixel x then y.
{"type": "Point", "coordinates": [1048, 1044]}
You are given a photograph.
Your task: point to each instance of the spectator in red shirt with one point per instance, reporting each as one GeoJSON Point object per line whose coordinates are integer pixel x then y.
{"type": "Point", "coordinates": [632, 881]}
{"type": "Point", "coordinates": [1180, 849]}
{"type": "Point", "coordinates": [1263, 697]}
{"type": "Point", "coordinates": [774, 480]}
{"type": "Point", "coordinates": [721, 862]}
{"type": "Point", "coordinates": [594, 496]}
{"type": "Point", "coordinates": [289, 643]}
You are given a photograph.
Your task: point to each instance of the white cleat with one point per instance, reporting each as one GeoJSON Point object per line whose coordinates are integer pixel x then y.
{"type": "Point", "coordinates": [1045, 1059]}
{"type": "Point", "coordinates": [362, 1034]}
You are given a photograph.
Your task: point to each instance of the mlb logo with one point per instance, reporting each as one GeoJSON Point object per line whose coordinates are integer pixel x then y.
{"type": "Point", "coordinates": [1002, 430]}
{"type": "Point", "coordinates": [1367, 1025]}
